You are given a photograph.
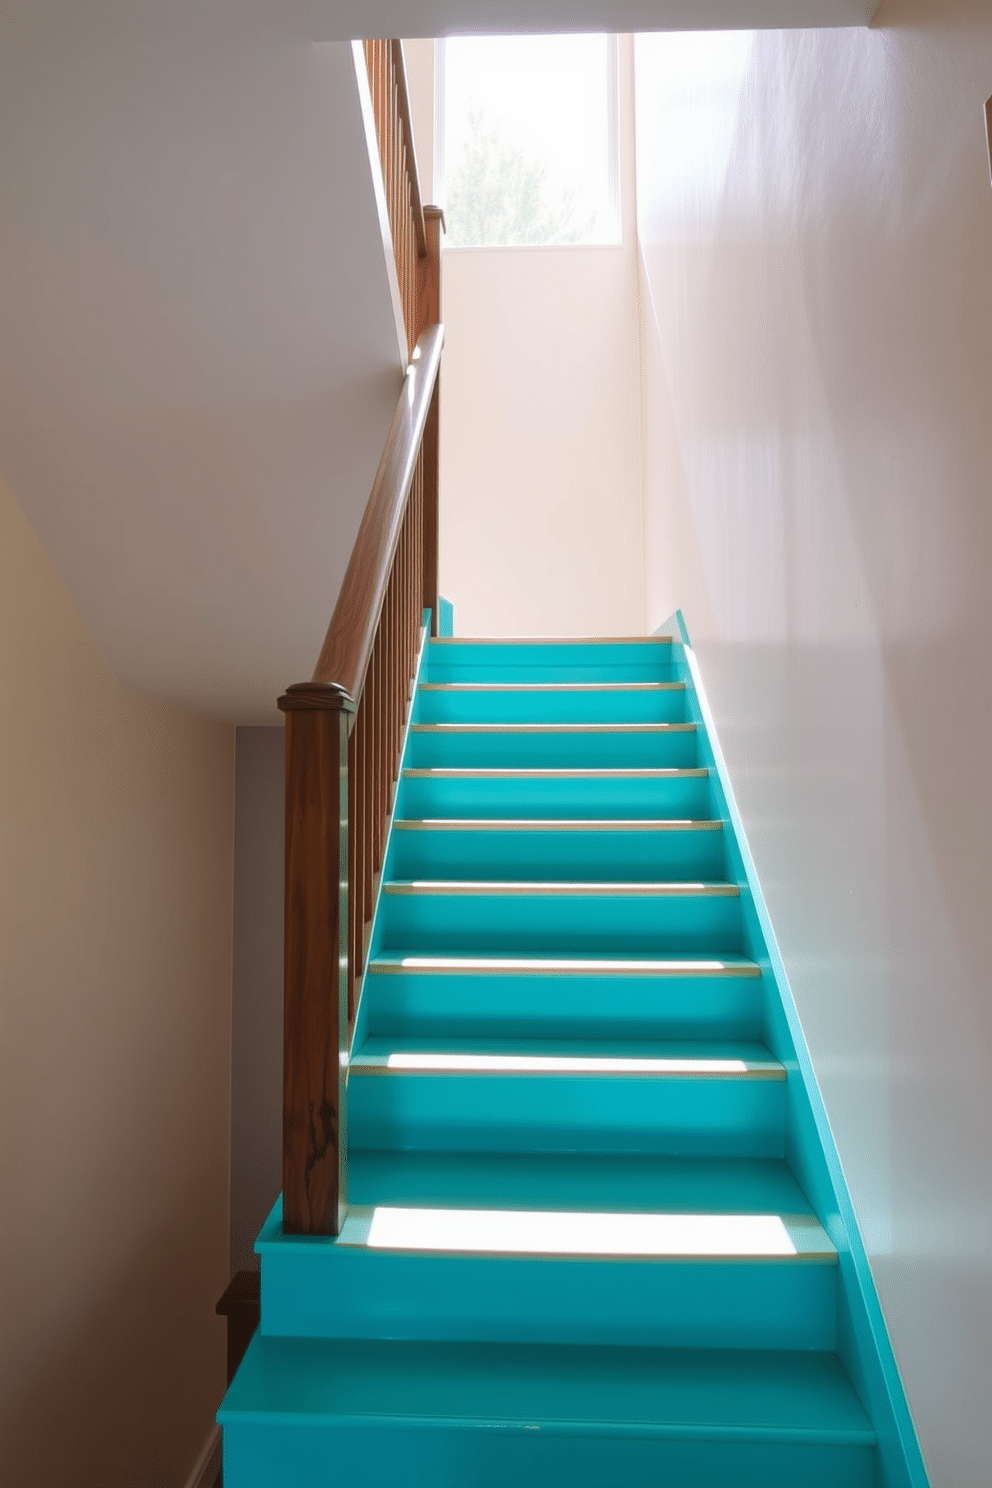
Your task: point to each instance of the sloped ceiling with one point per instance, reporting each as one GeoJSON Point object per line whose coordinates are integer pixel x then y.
{"type": "Point", "coordinates": [198, 353]}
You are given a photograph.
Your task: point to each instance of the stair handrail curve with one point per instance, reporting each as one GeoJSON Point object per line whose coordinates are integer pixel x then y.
{"type": "Point", "coordinates": [344, 727]}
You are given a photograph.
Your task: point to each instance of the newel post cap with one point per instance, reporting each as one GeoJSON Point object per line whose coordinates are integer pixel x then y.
{"type": "Point", "coordinates": [317, 697]}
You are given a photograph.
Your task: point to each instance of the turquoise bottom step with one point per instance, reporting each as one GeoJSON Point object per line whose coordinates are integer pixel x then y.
{"type": "Point", "coordinates": [320, 1412]}
{"type": "Point", "coordinates": [657, 1254]}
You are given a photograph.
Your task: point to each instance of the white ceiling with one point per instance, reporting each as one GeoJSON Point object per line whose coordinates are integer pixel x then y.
{"type": "Point", "coordinates": [342, 18]}
{"type": "Point", "coordinates": [198, 352]}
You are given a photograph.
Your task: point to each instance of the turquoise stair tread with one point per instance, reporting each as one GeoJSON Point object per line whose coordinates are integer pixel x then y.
{"type": "Point", "coordinates": [588, 1181]}
{"type": "Point", "coordinates": [684, 964]}
{"type": "Point", "coordinates": [774, 1395]}
{"type": "Point", "coordinates": [382, 1055]}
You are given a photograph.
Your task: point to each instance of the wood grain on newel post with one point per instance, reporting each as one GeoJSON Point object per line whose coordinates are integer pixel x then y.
{"type": "Point", "coordinates": [315, 1004]}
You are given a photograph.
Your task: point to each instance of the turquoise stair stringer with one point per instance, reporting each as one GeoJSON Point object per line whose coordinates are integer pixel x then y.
{"type": "Point", "coordinates": [863, 1337]}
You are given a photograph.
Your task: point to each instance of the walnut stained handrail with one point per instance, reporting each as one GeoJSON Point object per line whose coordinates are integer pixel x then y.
{"type": "Point", "coordinates": [344, 657]}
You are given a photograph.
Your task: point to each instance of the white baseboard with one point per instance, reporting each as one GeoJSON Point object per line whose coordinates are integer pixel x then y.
{"type": "Point", "coordinates": [208, 1464]}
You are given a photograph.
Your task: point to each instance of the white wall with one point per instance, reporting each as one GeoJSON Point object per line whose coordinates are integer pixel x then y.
{"type": "Point", "coordinates": [116, 822]}
{"type": "Point", "coordinates": [817, 279]}
{"type": "Point", "coordinates": [540, 463]}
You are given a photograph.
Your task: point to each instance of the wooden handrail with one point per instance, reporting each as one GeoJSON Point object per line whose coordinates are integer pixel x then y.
{"type": "Point", "coordinates": [344, 658]}
{"type": "Point", "coordinates": [344, 728]}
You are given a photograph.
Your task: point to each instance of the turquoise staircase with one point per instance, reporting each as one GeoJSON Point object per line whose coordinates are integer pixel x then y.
{"type": "Point", "coordinates": [597, 1231]}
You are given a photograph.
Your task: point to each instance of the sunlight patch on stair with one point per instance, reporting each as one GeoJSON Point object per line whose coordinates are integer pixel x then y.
{"type": "Point", "coordinates": [559, 1064]}
{"type": "Point", "coordinates": [557, 1233]}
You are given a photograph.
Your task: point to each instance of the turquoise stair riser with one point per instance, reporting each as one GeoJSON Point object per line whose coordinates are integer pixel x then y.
{"type": "Point", "coordinates": [646, 855]}
{"type": "Point", "coordinates": [603, 1182]}
{"type": "Point", "coordinates": [507, 922]}
{"type": "Point", "coordinates": [441, 669]}
{"type": "Point", "coordinates": [355, 1293]}
{"type": "Point", "coordinates": [638, 703]}
{"type": "Point", "coordinates": [576, 797]}
{"type": "Point", "coordinates": [648, 660]}
{"type": "Point", "coordinates": [427, 1455]}
{"type": "Point", "coordinates": [588, 1113]}
{"type": "Point", "coordinates": [641, 746]}
{"type": "Point", "coordinates": [574, 1007]}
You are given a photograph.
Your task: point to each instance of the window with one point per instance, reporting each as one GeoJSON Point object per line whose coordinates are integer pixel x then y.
{"type": "Point", "coordinates": [529, 140]}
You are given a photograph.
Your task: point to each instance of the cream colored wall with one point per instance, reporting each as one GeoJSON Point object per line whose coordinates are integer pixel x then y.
{"type": "Point", "coordinates": [540, 463]}
{"type": "Point", "coordinates": [115, 985]}
{"type": "Point", "coordinates": [817, 224]}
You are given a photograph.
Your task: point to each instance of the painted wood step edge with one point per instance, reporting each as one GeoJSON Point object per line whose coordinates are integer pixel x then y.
{"type": "Point", "coordinates": [554, 824]}
{"type": "Point", "coordinates": [459, 965]}
{"type": "Point", "coordinates": [551, 642]}
{"type": "Point", "coordinates": [475, 772]}
{"type": "Point", "coordinates": [552, 728]}
{"type": "Point", "coordinates": [511, 889]}
{"type": "Point", "coordinates": [550, 687]}
{"type": "Point", "coordinates": [405, 1062]}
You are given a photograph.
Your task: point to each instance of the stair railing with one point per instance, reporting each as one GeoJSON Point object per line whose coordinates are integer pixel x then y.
{"type": "Point", "coordinates": [344, 728]}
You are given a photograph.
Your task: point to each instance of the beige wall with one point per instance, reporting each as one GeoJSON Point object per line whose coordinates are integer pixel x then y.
{"type": "Point", "coordinates": [256, 1010]}
{"type": "Point", "coordinates": [540, 453]}
{"type": "Point", "coordinates": [817, 227]}
{"type": "Point", "coordinates": [115, 976]}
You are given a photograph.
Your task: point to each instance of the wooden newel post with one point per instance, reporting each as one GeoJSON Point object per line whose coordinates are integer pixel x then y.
{"type": "Point", "coordinates": [429, 314]}
{"type": "Point", "coordinates": [315, 1000]}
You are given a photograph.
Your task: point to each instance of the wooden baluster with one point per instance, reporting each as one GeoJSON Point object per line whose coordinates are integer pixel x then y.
{"type": "Point", "coordinates": [411, 603]}
{"type": "Point", "coordinates": [367, 809]}
{"type": "Point", "coordinates": [382, 741]}
{"type": "Point", "coordinates": [371, 695]}
{"type": "Point", "coordinates": [354, 944]}
{"type": "Point", "coordinates": [315, 1005]}
{"type": "Point", "coordinates": [429, 312]}
{"type": "Point", "coordinates": [393, 671]}
{"type": "Point", "coordinates": [402, 636]}
{"type": "Point", "coordinates": [379, 753]}
{"type": "Point", "coordinates": [355, 862]}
